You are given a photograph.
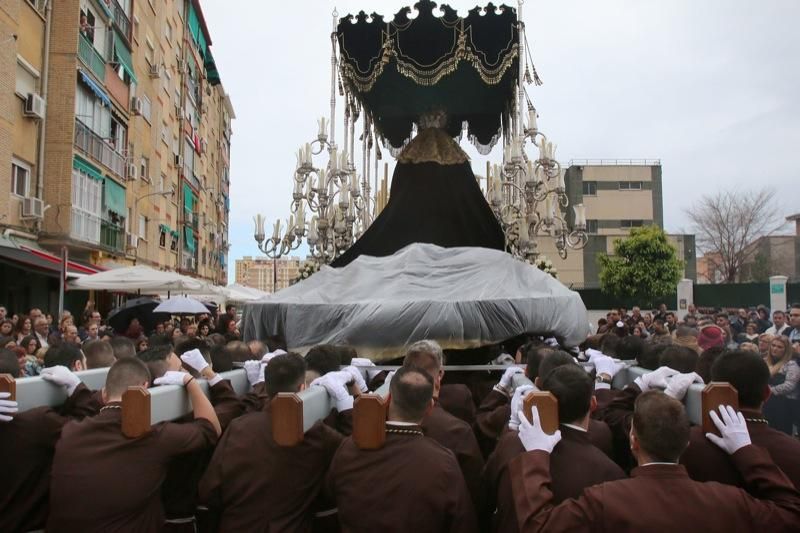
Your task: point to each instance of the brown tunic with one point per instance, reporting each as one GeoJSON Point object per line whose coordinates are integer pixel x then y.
{"type": "Point", "coordinates": [103, 481]}
{"type": "Point", "coordinates": [659, 498]}
{"type": "Point", "coordinates": [411, 484]}
{"type": "Point", "coordinates": [27, 444]}
{"type": "Point", "coordinates": [456, 399]}
{"type": "Point", "coordinates": [576, 463]}
{"type": "Point", "coordinates": [492, 415]}
{"type": "Point", "coordinates": [706, 462]}
{"type": "Point", "coordinates": [257, 485]}
{"type": "Point", "coordinates": [455, 435]}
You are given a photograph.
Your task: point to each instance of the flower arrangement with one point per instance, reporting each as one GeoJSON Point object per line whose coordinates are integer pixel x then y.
{"type": "Point", "coordinates": [307, 269]}
{"type": "Point", "coordinates": [546, 266]}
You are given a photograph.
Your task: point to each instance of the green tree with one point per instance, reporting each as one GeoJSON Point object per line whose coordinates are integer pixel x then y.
{"type": "Point", "coordinates": [644, 267]}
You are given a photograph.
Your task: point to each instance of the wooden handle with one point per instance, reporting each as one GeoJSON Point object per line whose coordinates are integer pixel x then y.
{"type": "Point", "coordinates": [287, 419]}
{"type": "Point", "coordinates": [715, 394]}
{"type": "Point", "coordinates": [547, 404]}
{"type": "Point", "coordinates": [8, 384]}
{"type": "Point", "coordinates": [135, 412]}
{"type": "Point", "coordinates": [369, 422]}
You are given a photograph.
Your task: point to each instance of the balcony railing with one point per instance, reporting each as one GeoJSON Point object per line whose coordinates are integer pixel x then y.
{"type": "Point", "coordinates": [121, 19]}
{"type": "Point", "coordinates": [112, 236]}
{"type": "Point", "coordinates": [92, 58]}
{"type": "Point", "coordinates": [85, 226]}
{"type": "Point", "coordinates": [92, 144]}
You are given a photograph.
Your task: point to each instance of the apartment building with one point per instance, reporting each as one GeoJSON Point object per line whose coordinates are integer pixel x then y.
{"type": "Point", "coordinates": [115, 135]}
{"type": "Point", "coordinates": [267, 275]}
{"type": "Point", "coordinates": [618, 195]}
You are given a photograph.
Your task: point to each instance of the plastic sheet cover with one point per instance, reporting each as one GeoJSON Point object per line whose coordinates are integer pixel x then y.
{"type": "Point", "coordinates": [460, 297]}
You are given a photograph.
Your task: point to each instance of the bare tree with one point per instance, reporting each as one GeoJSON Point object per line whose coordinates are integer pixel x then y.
{"type": "Point", "coordinates": [727, 223]}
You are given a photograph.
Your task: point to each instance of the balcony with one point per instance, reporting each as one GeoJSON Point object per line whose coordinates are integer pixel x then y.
{"type": "Point", "coordinates": [101, 151]}
{"type": "Point", "coordinates": [120, 19]}
{"type": "Point", "coordinates": [85, 226]}
{"type": "Point", "coordinates": [112, 236]}
{"type": "Point", "coordinates": [92, 58]}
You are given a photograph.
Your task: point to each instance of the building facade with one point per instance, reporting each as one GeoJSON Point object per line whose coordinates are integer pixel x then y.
{"type": "Point", "coordinates": [267, 275]}
{"type": "Point", "coordinates": [119, 149]}
{"type": "Point", "coordinates": [619, 195]}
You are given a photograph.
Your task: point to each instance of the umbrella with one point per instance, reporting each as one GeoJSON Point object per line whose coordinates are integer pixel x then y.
{"type": "Point", "coordinates": [140, 278]}
{"type": "Point", "coordinates": [181, 305]}
{"type": "Point", "coordinates": [141, 308]}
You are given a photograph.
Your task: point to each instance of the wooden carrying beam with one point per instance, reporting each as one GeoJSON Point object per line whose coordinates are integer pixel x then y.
{"type": "Point", "coordinates": [547, 405]}
{"type": "Point", "coordinates": [369, 418]}
{"type": "Point", "coordinates": [8, 384]}
{"type": "Point", "coordinates": [713, 395]}
{"type": "Point", "coordinates": [294, 414]}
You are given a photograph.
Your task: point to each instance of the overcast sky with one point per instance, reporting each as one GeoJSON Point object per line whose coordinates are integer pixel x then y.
{"type": "Point", "coordinates": [709, 87]}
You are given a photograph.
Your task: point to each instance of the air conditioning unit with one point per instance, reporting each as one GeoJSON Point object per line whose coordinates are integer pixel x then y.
{"type": "Point", "coordinates": [136, 105]}
{"type": "Point", "coordinates": [34, 106]}
{"type": "Point", "coordinates": [130, 171]}
{"type": "Point", "coordinates": [178, 160]}
{"type": "Point", "coordinates": [32, 208]}
{"type": "Point", "coordinates": [132, 240]}
{"type": "Point", "coordinates": [155, 71]}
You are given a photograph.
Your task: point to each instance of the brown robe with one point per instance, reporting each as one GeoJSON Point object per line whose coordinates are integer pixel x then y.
{"type": "Point", "coordinates": [706, 462]}
{"type": "Point", "coordinates": [411, 484]}
{"type": "Point", "coordinates": [257, 485]}
{"type": "Point", "coordinates": [456, 399]}
{"type": "Point", "coordinates": [27, 445]}
{"type": "Point", "coordinates": [455, 435]}
{"type": "Point", "coordinates": [576, 462]}
{"type": "Point", "coordinates": [659, 498]}
{"type": "Point", "coordinates": [103, 481]}
{"type": "Point", "coordinates": [493, 415]}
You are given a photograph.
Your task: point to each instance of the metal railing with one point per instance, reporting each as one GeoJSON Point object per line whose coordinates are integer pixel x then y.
{"type": "Point", "coordinates": [91, 58]}
{"type": "Point", "coordinates": [85, 226]}
{"type": "Point", "coordinates": [92, 144]}
{"type": "Point", "coordinates": [112, 236]}
{"type": "Point", "coordinates": [121, 19]}
{"type": "Point", "coordinates": [615, 162]}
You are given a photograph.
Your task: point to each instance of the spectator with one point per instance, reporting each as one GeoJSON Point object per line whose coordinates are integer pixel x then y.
{"type": "Point", "coordinates": [762, 319]}
{"type": "Point", "coordinates": [783, 384]}
{"type": "Point", "coordinates": [671, 321]}
{"type": "Point", "coordinates": [711, 336]}
{"type": "Point", "coordinates": [70, 335]}
{"type": "Point", "coordinates": [142, 344]}
{"type": "Point", "coordinates": [687, 336]}
{"type": "Point", "coordinates": [123, 347]}
{"type": "Point", "coordinates": [794, 321]}
{"type": "Point", "coordinates": [750, 334]}
{"type": "Point", "coordinates": [24, 328]}
{"type": "Point", "coordinates": [660, 332]}
{"type": "Point", "coordinates": [6, 328]}
{"type": "Point", "coordinates": [764, 342]}
{"type": "Point", "coordinates": [204, 329]}
{"type": "Point", "coordinates": [779, 324]}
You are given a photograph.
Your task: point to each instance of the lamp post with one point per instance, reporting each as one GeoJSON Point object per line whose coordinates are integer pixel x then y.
{"type": "Point", "coordinates": [135, 213]}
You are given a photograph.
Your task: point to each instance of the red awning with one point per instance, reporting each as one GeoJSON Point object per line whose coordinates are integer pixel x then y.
{"type": "Point", "coordinates": [44, 261]}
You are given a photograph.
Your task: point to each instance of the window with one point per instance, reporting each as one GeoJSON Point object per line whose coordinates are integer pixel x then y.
{"type": "Point", "coordinates": [162, 237]}
{"type": "Point", "coordinates": [86, 207]}
{"type": "Point", "coordinates": [168, 31]}
{"type": "Point", "coordinates": [173, 246]}
{"type": "Point", "coordinates": [591, 226]}
{"type": "Point", "coordinates": [162, 182]}
{"type": "Point", "coordinates": [627, 224]}
{"type": "Point", "coordinates": [119, 136]}
{"type": "Point", "coordinates": [590, 188]}
{"type": "Point", "coordinates": [27, 78]}
{"type": "Point", "coordinates": [150, 51]}
{"type": "Point", "coordinates": [142, 227]}
{"type": "Point", "coordinates": [87, 24]}
{"type": "Point", "coordinates": [20, 178]}
{"type": "Point", "coordinates": [165, 134]}
{"type": "Point", "coordinates": [147, 108]}
{"type": "Point", "coordinates": [630, 185]}
{"type": "Point", "coordinates": [144, 168]}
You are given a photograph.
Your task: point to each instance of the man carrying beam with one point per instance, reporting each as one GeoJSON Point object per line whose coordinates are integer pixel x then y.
{"type": "Point", "coordinates": [105, 481]}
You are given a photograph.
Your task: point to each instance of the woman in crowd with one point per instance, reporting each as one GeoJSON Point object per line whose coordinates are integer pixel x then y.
{"type": "Point", "coordinates": [24, 328]}
{"type": "Point", "coordinates": [750, 334]}
{"type": "Point", "coordinates": [204, 329]}
{"type": "Point", "coordinates": [783, 385]}
{"type": "Point", "coordinates": [6, 328]}
{"type": "Point", "coordinates": [28, 348]}
{"type": "Point", "coordinates": [142, 344]}
{"type": "Point", "coordinates": [764, 343]}
{"type": "Point", "coordinates": [30, 344]}
{"type": "Point", "coordinates": [135, 330]}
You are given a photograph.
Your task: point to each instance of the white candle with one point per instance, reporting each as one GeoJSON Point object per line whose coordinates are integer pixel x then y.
{"type": "Point", "coordinates": [334, 160]}
{"type": "Point", "coordinates": [330, 189]}
{"type": "Point", "coordinates": [308, 154]}
{"type": "Point", "coordinates": [580, 214]}
{"type": "Point", "coordinates": [300, 157]}
{"type": "Point", "coordinates": [323, 126]}
{"type": "Point", "coordinates": [532, 119]}
{"type": "Point", "coordinates": [276, 230]}
{"type": "Point", "coordinates": [321, 180]}
{"type": "Point", "coordinates": [523, 230]}
{"type": "Point", "coordinates": [561, 183]}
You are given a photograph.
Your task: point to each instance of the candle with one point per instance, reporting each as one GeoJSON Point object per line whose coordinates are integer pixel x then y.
{"type": "Point", "coordinates": [300, 157]}
{"type": "Point", "coordinates": [530, 175]}
{"type": "Point", "coordinates": [330, 189]}
{"type": "Point", "coordinates": [532, 119]}
{"type": "Point", "coordinates": [580, 214]}
{"type": "Point", "coordinates": [308, 153]}
{"type": "Point", "coordinates": [321, 178]}
{"type": "Point", "coordinates": [323, 127]}
{"type": "Point", "coordinates": [543, 150]}
{"type": "Point", "coordinates": [276, 230]}
{"type": "Point", "coordinates": [561, 184]}
{"type": "Point", "coordinates": [334, 160]}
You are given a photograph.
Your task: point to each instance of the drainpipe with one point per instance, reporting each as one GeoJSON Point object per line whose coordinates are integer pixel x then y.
{"type": "Point", "coordinates": [45, 76]}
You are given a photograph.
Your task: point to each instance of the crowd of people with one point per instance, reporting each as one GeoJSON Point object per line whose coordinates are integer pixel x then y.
{"type": "Point", "coordinates": [459, 453]}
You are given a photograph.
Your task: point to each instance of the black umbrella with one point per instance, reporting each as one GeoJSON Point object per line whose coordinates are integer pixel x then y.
{"type": "Point", "coordinates": [141, 308]}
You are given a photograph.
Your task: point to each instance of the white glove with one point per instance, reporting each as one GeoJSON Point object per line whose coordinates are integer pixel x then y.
{"type": "Point", "coordinates": [195, 359]}
{"type": "Point", "coordinates": [357, 377]}
{"type": "Point", "coordinates": [361, 361]}
{"type": "Point", "coordinates": [551, 342]}
{"type": "Point", "coordinates": [656, 379]}
{"type": "Point", "coordinates": [516, 405]}
{"type": "Point", "coordinates": [506, 384]}
{"type": "Point", "coordinates": [61, 375]}
{"type": "Point", "coordinates": [254, 371]}
{"type": "Point", "coordinates": [732, 427]}
{"type": "Point", "coordinates": [678, 385]}
{"type": "Point", "coordinates": [336, 385]}
{"type": "Point", "coordinates": [270, 355]}
{"type": "Point", "coordinates": [533, 436]}
{"type": "Point", "coordinates": [606, 365]}
{"type": "Point", "coordinates": [172, 378]}
{"type": "Point", "coordinates": [593, 354]}
{"type": "Point", "coordinates": [7, 407]}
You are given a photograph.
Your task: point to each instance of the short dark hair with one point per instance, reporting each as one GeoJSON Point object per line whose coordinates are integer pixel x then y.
{"type": "Point", "coordinates": [746, 371]}
{"type": "Point", "coordinates": [535, 353]}
{"type": "Point", "coordinates": [661, 426]}
{"type": "Point", "coordinates": [284, 373]}
{"type": "Point", "coordinates": [651, 355]}
{"type": "Point", "coordinates": [323, 358]}
{"type": "Point", "coordinates": [63, 354]}
{"type": "Point", "coordinates": [124, 373]}
{"type": "Point", "coordinates": [159, 340]}
{"type": "Point", "coordinates": [194, 343]}
{"type": "Point", "coordinates": [9, 363]}
{"type": "Point", "coordinates": [99, 354]}
{"type": "Point", "coordinates": [706, 361]}
{"type": "Point", "coordinates": [217, 339]}
{"type": "Point", "coordinates": [722, 315]}
{"type": "Point", "coordinates": [412, 390]}
{"type": "Point", "coordinates": [572, 387]}
{"type": "Point", "coordinates": [156, 359]}
{"type": "Point", "coordinates": [239, 351]}
{"type": "Point", "coordinates": [221, 358]}
{"type": "Point", "coordinates": [630, 347]}
{"type": "Point", "coordinates": [680, 358]}
{"type": "Point", "coordinates": [609, 344]}
{"type": "Point", "coordinates": [554, 360]}
{"type": "Point", "coordinates": [276, 342]}
{"type": "Point", "coordinates": [123, 347]}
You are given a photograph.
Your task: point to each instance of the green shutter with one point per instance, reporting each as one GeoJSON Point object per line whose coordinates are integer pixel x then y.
{"type": "Point", "coordinates": [188, 198]}
{"type": "Point", "coordinates": [194, 24]}
{"type": "Point", "coordinates": [87, 168]}
{"type": "Point", "coordinates": [124, 56]}
{"type": "Point", "coordinates": [114, 197]}
{"type": "Point", "coordinates": [189, 234]}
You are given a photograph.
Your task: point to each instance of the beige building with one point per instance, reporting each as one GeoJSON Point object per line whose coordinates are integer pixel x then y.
{"type": "Point", "coordinates": [263, 273]}
{"type": "Point", "coordinates": [136, 134]}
